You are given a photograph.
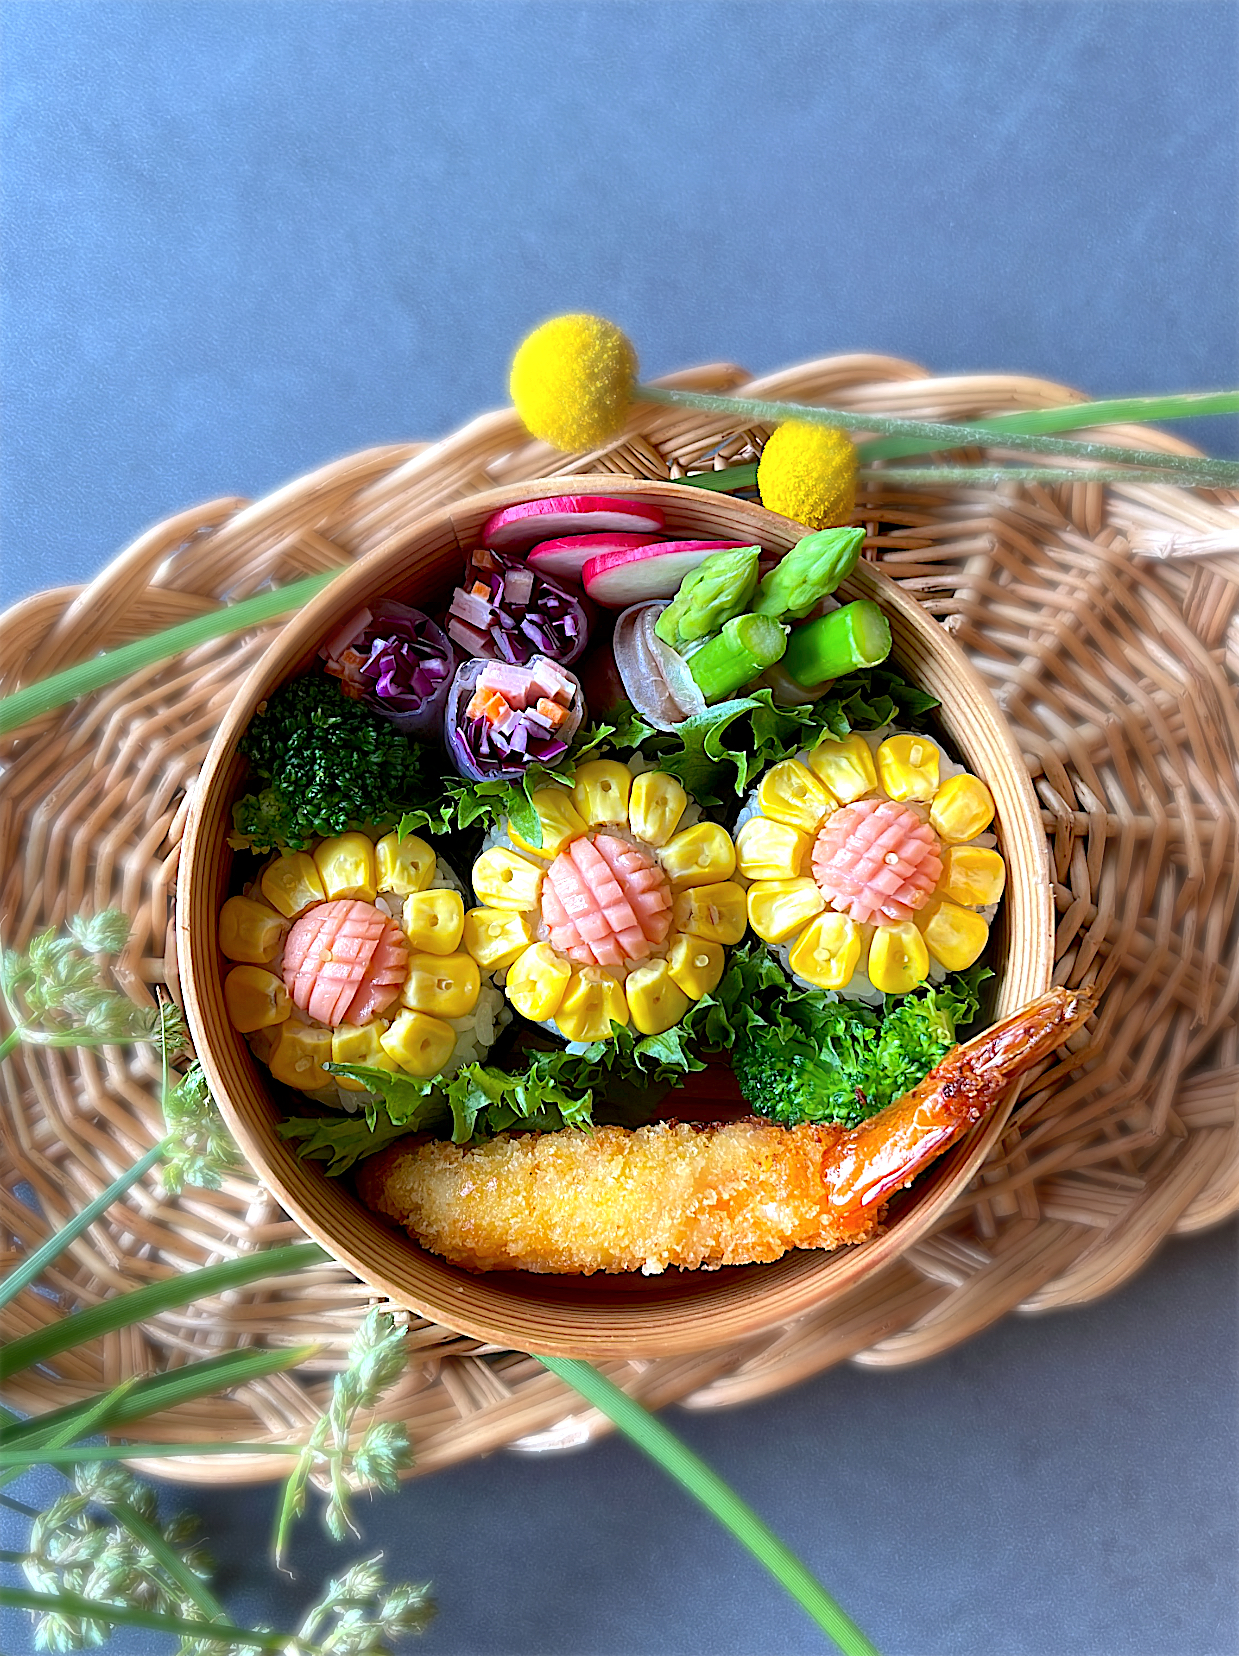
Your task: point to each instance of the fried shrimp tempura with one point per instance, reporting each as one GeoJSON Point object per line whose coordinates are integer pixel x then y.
{"type": "Point", "coordinates": [738, 1193]}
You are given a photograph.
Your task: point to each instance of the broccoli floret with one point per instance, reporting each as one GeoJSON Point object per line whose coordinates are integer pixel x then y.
{"type": "Point", "coordinates": [328, 763]}
{"type": "Point", "coordinates": [842, 1061]}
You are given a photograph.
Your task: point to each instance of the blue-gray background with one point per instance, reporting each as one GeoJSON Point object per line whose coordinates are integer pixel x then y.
{"type": "Point", "coordinates": [241, 239]}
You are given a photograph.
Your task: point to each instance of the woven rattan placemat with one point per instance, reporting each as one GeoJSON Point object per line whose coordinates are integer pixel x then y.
{"type": "Point", "coordinates": [1115, 654]}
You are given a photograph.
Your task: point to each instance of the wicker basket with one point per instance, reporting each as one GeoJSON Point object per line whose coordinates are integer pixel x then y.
{"type": "Point", "coordinates": [599, 1316]}
{"type": "Point", "coordinates": [1117, 673]}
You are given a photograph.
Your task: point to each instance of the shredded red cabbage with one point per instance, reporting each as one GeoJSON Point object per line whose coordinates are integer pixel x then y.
{"type": "Point", "coordinates": [399, 662]}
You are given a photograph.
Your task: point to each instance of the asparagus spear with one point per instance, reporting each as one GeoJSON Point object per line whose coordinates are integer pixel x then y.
{"type": "Point", "coordinates": [813, 568]}
{"type": "Point", "coordinates": [747, 645]}
{"type": "Point", "coordinates": [855, 636]}
{"type": "Point", "coordinates": [710, 595]}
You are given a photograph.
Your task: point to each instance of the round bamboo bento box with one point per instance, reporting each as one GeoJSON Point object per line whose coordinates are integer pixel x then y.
{"type": "Point", "coordinates": [599, 1316]}
{"type": "Point", "coordinates": [1102, 618]}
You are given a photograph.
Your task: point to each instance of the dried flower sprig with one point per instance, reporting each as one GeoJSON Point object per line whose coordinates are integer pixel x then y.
{"type": "Point", "coordinates": [575, 377]}
{"type": "Point", "coordinates": [56, 994]}
{"type": "Point", "coordinates": [376, 1360]}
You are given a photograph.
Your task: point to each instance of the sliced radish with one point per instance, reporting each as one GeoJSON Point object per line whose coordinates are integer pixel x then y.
{"type": "Point", "coordinates": [634, 576]}
{"type": "Point", "coordinates": [516, 527]}
{"type": "Point", "coordinates": [563, 559]}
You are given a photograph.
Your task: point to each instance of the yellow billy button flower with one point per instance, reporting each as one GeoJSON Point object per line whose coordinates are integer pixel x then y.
{"type": "Point", "coordinates": [572, 381]}
{"type": "Point", "coordinates": [808, 472]}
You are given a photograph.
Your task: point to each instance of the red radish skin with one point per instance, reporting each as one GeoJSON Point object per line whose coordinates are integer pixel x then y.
{"type": "Point", "coordinates": [514, 528]}
{"type": "Point", "coordinates": [617, 579]}
{"type": "Point", "coordinates": [563, 559]}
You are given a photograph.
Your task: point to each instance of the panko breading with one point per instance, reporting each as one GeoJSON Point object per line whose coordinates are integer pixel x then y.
{"type": "Point", "coordinates": [735, 1193]}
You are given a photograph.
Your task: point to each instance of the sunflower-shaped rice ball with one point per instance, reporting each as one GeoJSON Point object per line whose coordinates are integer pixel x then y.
{"type": "Point", "coordinates": [350, 953]}
{"type": "Point", "coordinates": [870, 862]}
{"type": "Point", "coordinates": [621, 915]}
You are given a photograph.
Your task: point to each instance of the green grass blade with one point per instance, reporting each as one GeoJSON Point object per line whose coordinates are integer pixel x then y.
{"type": "Point", "coordinates": [152, 1393]}
{"type": "Point", "coordinates": [55, 1245]}
{"type": "Point", "coordinates": [1114, 411]}
{"type": "Point", "coordinates": [142, 1303]}
{"type": "Point", "coordinates": [93, 1412]}
{"type": "Point", "coordinates": [123, 1615]}
{"type": "Point", "coordinates": [989, 477]}
{"type": "Point", "coordinates": [77, 1454]}
{"type": "Point", "coordinates": [49, 693]}
{"type": "Point", "coordinates": [733, 477]}
{"type": "Point", "coordinates": [705, 1486]}
{"type": "Point", "coordinates": [1223, 474]}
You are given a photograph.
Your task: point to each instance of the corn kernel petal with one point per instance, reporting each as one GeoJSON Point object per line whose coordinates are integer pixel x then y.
{"type": "Point", "coordinates": [250, 931]}
{"type": "Point", "coordinates": [778, 909]}
{"type": "Point", "coordinates": [346, 866]}
{"type": "Point", "coordinates": [601, 792]}
{"type": "Point", "coordinates": [536, 982]}
{"type": "Point", "coordinates": [404, 865]}
{"type": "Point", "coordinates": [963, 807]}
{"type": "Point", "coordinates": [791, 793]}
{"type": "Point", "coordinates": [695, 964]}
{"type": "Point", "coordinates": [972, 875]}
{"type": "Point", "coordinates": [419, 1043]}
{"type": "Point", "coordinates": [768, 850]}
{"type": "Point", "coordinates": [717, 912]}
{"type": "Point", "coordinates": [655, 806]}
{"type": "Point", "coordinates": [827, 952]}
{"type": "Point", "coordinates": [898, 959]}
{"type": "Point", "coordinates": [255, 999]}
{"type": "Point", "coordinates": [908, 767]}
{"type": "Point", "coordinates": [701, 855]}
{"type": "Point", "coordinates": [954, 936]}
{"type": "Point", "coordinates": [359, 1044]}
{"type": "Point", "coordinates": [591, 1003]}
{"type": "Point", "coordinates": [503, 879]}
{"type": "Point", "coordinates": [560, 819]}
{"type": "Point", "coordinates": [299, 1054]}
{"type": "Point", "coordinates": [845, 768]}
{"type": "Point", "coordinates": [495, 937]}
{"type": "Point", "coordinates": [434, 921]}
{"type": "Point", "coordinates": [291, 884]}
{"type": "Point", "coordinates": [445, 986]}
{"type": "Point", "coordinates": [655, 1001]}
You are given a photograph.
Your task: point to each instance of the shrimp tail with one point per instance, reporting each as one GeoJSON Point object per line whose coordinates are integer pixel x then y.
{"type": "Point", "coordinates": [867, 1165]}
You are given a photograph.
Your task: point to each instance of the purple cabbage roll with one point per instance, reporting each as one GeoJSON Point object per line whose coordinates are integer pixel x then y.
{"type": "Point", "coordinates": [502, 717]}
{"type": "Point", "coordinates": [506, 612]}
{"type": "Point", "coordinates": [398, 661]}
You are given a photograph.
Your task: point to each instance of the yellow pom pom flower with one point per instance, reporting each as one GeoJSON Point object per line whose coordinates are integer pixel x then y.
{"type": "Point", "coordinates": [808, 472]}
{"type": "Point", "coordinates": [572, 381]}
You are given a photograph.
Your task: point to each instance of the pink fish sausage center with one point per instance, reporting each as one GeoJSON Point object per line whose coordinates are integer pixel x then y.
{"type": "Point", "coordinates": [605, 903]}
{"type": "Point", "coordinates": [345, 962]}
{"type": "Point", "coordinates": [876, 861]}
